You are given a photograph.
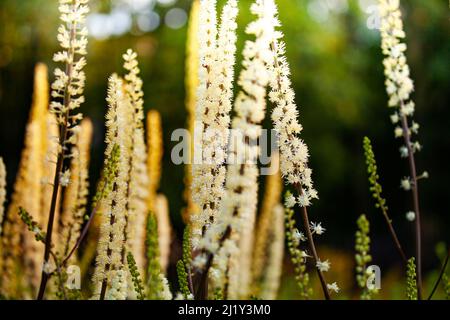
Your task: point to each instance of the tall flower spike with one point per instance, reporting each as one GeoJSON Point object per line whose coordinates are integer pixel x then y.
{"type": "Point", "coordinates": [239, 204]}
{"type": "Point", "coordinates": [376, 189]}
{"type": "Point", "coordinates": [75, 195]}
{"type": "Point", "coordinates": [111, 246]}
{"type": "Point", "coordinates": [2, 192]}
{"type": "Point", "coordinates": [137, 190]}
{"type": "Point", "coordinates": [399, 87]}
{"type": "Point", "coordinates": [67, 94]}
{"type": "Point", "coordinates": [21, 253]}
{"type": "Point", "coordinates": [293, 151]}
{"type": "Point", "coordinates": [215, 90]}
{"type": "Point", "coordinates": [191, 84]}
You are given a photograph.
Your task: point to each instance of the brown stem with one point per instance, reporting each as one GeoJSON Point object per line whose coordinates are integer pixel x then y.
{"type": "Point", "coordinates": [415, 194]}
{"type": "Point", "coordinates": [314, 252]}
{"type": "Point", "coordinates": [82, 235]}
{"type": "Point", "coordinates": [394, 236]}
{"type": "Point", "coordinates": [441, 273]}
{"type": "Point", "coordinates": [313, 246]}
{"type": "Point", "coordinates": [59, 165]}
{"type": "Point", "coordinates": [48, 238]}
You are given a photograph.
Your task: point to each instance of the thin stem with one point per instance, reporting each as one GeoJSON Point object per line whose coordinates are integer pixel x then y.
{"type": "Point", "coordinates": [59, 164]}
{"type": "Point", "coordinates": [83, 234]}
{"type": "Point", "coordinates": [312, 246]}
{"type": "Point", "coordinates": [441, 273]}
{"type": "Point", "coordinates": [394, 236]}
{"type": "Point", "coordinates": [48, 238]}
{"type": "Point", "coordinates": [415, 194]}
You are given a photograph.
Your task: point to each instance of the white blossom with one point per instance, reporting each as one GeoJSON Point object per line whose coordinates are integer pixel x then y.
{"type": "Point", "coordinates": [317, 228]}
{"type": "Point", "coordinates": [333, 287]}
{"type": "Point", "coordinates": [323, 266]}
{"type": "Point", "coordinates": [405, 183]}
{"type": "Point", "coordinates": [298, 236]}
{"type": "Point", "coordinates": [290, 201]}
{"type": "Point", "coordinates": [217, 48]}
{"type": "Point", "coordinates": [399, 85]}
{"type": "Point", "coordinates": [410, 216]}
{"type": "Point", "coordinates": [64, 179]}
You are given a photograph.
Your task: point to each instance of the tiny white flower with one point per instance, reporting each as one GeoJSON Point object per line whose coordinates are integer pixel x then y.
{"type": "Point", "coordinates": [333, 287]}
{"type": "Point", "coordinates": [398, 132]}
{"type": "Point", "coordinates": [424, 175]}
{"type": "Point", "coordinates": [317, 228]}
{"type": "Point", "coordinates": [47, 267]}
{"type": "Point", "coordinates": [410, 216]}
{"type": "Point", "coordinates": [290, 201]}
{"type": "Point", "coordinates": [304, 254]}
{"type": "Point", "coordinates": [405, 184]}
{"type": "Point", "coordinates": [417, 146]}
{"type": "Point", "coordinates": [303, 200]}
{"type": "Point", "coordinates": [323, 266]}
{"type": "Point", "coordinates": [298, 236]}
{"type": "Point", "coordinates": [403, 152]}
{"type": "Point", "coordinates": [415, 127]}
{"type": "Point", "coordinates": [395, 118]}
{"type": "Point", "coordinates": [64, 179]}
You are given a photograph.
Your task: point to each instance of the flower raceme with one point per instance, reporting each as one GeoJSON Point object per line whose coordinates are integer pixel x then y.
{"type": "Point", "coordinates": [109, 262]}
{"type": "Point", "coordinates": [399, 85]}
{"type": "Point", "coordinates": [237, 214]}
{"type": "Point", "coordinates": [217, 48]}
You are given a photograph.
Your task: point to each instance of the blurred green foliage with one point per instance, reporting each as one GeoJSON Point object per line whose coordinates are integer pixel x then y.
{"type": "Point", "coordinates": [339, 83]}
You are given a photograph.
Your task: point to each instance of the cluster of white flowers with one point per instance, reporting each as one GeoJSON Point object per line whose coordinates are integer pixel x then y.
{"type": "Point", "coordinates": [119, 286]}
{"type": "Point", "coordinates": [293, 151]}
{"type": "Point", "coordinates": [239, 203]}
{"type": "Point", "coordinates": [67, 89]}
{"type": "Point", "coordinates": [214, 100]}
{"type": "Point", "coordinates": [138, 178]}
{"type": "Point", "coordinates": [110, 250]}
{"type": "Point", "coordinates": [399, 84]}
{"type": "Point", "coordinates": [224, 262]}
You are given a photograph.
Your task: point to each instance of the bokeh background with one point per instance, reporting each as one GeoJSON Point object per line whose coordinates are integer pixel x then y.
{"type": "Point", "coordinates": [338, 79]}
